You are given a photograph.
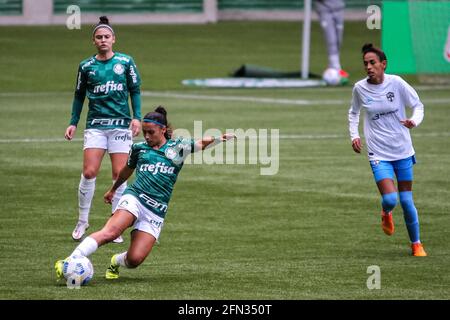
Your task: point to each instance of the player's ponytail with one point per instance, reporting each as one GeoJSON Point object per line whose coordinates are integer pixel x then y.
{"type": "Point", "coordinates": [103, 23]}
{"type": "Point", "coordinates": [159, 116]}
{"type": "Point", "coordinates": [104, 20]}
{"type": "Point", "coordinates": [368, 47]}
{"type": "Point", "coordinates": [161, 110]}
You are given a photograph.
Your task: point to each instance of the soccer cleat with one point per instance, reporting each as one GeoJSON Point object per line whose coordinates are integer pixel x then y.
{"type": "Point", "coordinates": [417, 250]}
{"type": "Point", "coordinates": [343, 77]}
{"type": "Point", "coordinates": [343, 74]}
{"type": "Point", "coordinates": [59, 266]}
{"type": "Point", "coordinates": [113, 270]}
{"type": "Point", "coordinates": [79, 230]}
{"type": "Point", "coordinates": [387, 223]}
{"type": "Point", "coordinates": [119, 239]}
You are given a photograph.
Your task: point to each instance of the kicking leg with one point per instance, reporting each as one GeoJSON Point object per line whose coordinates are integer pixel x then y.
{"type": "Point", "coordinates": [140, 247]}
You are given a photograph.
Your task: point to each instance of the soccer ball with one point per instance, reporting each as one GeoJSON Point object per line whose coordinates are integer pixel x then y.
{"type": "Point", "coordinates": [78, 270]}
{"type": "Point", "coordinates": [331, 77]}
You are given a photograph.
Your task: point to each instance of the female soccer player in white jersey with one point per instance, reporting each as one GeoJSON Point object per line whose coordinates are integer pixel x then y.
{"type": "Point", "coordinates": [384, 98]}
{"type": "Point", "coordinates": [144, 204]}
{"type": "Point", "coordinates": [107, 79]}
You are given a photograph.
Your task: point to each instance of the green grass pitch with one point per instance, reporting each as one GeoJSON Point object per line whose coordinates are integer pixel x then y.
{"type": "Point", "coordinates": [308, 232]}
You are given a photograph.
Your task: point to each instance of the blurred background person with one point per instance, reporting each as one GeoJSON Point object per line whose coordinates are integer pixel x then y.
{"type": "Point", "coordinates": [331, 17]}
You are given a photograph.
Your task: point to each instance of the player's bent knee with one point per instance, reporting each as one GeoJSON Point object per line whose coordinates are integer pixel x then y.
{"type": "Point", "coordinates": [134, 261]}
{"type": "Point", "coordinates": [389, 201]}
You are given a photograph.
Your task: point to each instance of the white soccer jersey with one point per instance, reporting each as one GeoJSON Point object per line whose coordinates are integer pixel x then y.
{"type": "Point", "coordinates": [384, 105]}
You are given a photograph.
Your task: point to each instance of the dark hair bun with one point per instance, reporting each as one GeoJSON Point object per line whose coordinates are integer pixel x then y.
{"type": "Point", "coordinates": [161, 110]}
{"type": "Point", "coordinates": [366, 47]}
{"type": "Point", "coordinates": [104, 20]}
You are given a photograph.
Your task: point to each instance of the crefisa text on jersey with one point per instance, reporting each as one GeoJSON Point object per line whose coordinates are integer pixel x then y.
{"type": "Point", "coordinates": [154, 168]}
{"type": "Point", "coordinates": [107, 87]}
{"type": "Point", "coordinates": [226, 309]}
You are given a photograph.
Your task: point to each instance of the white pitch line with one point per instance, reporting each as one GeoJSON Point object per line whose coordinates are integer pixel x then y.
{"type": "Point", "coordinates": [273, 101]}
{"type": "Point", "coordinates": [282, 136]}
{"type": "Point", "coordinates": [339, 136]}
{"type": "Point", "coordinates": [37, 140]}
{"type": "Point", "coordinates": [303, 102]}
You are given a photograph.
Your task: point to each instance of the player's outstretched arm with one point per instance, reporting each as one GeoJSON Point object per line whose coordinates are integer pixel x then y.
{"type": "Point", "coordinates": [124, 174]}
{"type": "Point", "coordinates": [213, 141]}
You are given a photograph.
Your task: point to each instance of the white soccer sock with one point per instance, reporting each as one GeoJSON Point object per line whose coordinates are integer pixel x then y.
{"type": "Point", "coordinates": [333, 61]}
{"type": "Point", "coordinates": [120, 259]}
{"type": "Point", "coordinates": [87, 247]}
{"type": "Point", "coordinates": [85, 194]}
{"type": "Point", "coordinates": [118, 195]}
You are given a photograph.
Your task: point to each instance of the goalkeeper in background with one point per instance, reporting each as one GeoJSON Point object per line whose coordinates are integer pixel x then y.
{"type": "Point", "coordinates": [331, 17]}
{"type": "Point", "coordinates": [107, 79]}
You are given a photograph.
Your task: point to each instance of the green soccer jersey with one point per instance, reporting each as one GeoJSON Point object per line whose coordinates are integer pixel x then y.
{"type": "Point", "coordinates": [157, 172]}
{"type": "Point", "coordinates": [107, 84]}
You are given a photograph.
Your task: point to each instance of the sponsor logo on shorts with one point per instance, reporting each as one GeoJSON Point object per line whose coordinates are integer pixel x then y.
{"type": "Point", "coordinates": [153, 203]}
{"type": "Point", "coordinates": [124, 203]}
{"type": "Point", "coordinates": [125, 137]}
{"type": "Point", "coordinates": [157, 224]}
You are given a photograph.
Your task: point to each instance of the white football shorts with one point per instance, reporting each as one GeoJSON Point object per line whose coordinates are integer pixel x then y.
{"type": "Point", "coordinates": [112, 140]}
{"type": "Point", "coordinates": [146, 220]}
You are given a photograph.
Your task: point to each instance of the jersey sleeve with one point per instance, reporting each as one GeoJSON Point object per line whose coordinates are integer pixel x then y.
{"type": "Point", "coordinates": [134, 83]}
{"type": "Point", "coordinates": [411, 99]}
{"type": "Point", "coordinates": [133, 77]}
{"type": "Point", "coordinates": [133, 157]}
{"type": "Point", "coordinates": [353, 114]}
{"type": "Point", "coordinates": [186, 146]}
{"type": "Point", "coordinates": [79, 96]}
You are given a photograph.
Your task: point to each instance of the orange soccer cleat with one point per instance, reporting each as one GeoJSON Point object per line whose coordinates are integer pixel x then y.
{"type": "Point", "coordinates": [387, 223]}
{"type": "Point", "coordinates": [417, 250]}
{"type": "Point", "coordinates": [343, 74]}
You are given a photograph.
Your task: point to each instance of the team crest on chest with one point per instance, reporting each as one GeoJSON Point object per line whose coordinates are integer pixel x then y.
{"type": "Point", "coordinates": [390, 96]}
{"type": "Point", "coordinates": [118, 68]}
{"type": "Point", "coordinates": [171, 153]}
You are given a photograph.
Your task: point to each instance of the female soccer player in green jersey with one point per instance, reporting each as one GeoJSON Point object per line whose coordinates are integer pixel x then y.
{"type": "Point", "coordinates": [107, 79]}
{"type": "Point", "coordinates": [144, 203]}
